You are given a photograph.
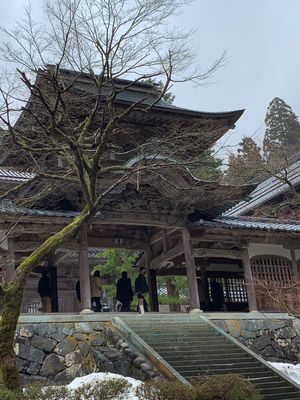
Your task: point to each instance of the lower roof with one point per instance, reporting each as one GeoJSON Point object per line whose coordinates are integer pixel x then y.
{"type": "Point", "coordinates": [252, 223]}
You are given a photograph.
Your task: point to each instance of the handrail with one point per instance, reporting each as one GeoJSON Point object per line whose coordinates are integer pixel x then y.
{"type": "Point", "coordinates": [250, 352]}
{"type": "Point", "coordinates": [136, 341]}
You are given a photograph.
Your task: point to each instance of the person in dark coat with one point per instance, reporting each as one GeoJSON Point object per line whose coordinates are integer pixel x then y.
{"type": "Point", "coordinates": [44, 290]}
{"type": "Point", "coordinates": [77, 288]}
{"type": "Point", "coordinates": [124, 292]}
{"type": "Point", "coordinates": [217, 295]}
{"type": "Point", "coordinates": [141, 287]}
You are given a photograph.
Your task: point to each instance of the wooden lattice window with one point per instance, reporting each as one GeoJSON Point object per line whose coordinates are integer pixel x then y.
{"type": "Point", "coordinates": [272, 268]}
{"type": "Point", "coordinates": [273, 277]}
{"type": "Point", "coordinates": [234, 287]}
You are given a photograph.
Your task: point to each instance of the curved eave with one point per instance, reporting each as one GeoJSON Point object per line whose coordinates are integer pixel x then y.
{"type": "Point", "coordinates": [231, 116]}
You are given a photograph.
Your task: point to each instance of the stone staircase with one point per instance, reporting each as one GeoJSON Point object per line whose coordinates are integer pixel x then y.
{"type": "Point", "coordinates": [195, 347]}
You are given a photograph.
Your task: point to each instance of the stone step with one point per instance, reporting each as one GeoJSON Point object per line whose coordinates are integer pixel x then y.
{"type": "Point", "coordinates": [282, 396]}
{"type": "Point", "coordinates": [234, 369]}
{"type": "Point", "coordinates": [180, 336]}
{"type": "Point", "coordinates": [210, 357]}
{"type": "Point", "coordinates": [194, 341]}
{"type": "Point", "coordinates": [194, 345]}
{"type": "Point", "coordinates": [166, 351]}
{"type": "Point", "coordinates": [213, 364]}
{"type": "Point", "coordinates": [195, 349]}
{"type": "Point", "coordinates": [279, 390]}
{"type": "Point", "coordinates": [250, 375]}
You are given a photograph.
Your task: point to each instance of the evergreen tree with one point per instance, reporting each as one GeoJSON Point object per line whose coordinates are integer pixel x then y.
{"type": "Point", "coordinates": [158, 86]}
{"type": "Point", "coordinates": [209, 167]}
{"type": "Point", "coordinates": [282, 129]}
{"type": "Point", "coordinates": [246, 165]}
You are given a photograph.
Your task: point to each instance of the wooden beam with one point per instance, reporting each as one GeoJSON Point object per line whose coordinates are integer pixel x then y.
{"type": "Point", "coordinates": [158, 236]}
{"type": "Point", "coordinates": [177, 250]}
{"type": "Point", "coordinates": [204, 252]}
{"type": "Point", "coordinates": [164, 240]}
{"type": "Point", "coordinates": [109, 242]}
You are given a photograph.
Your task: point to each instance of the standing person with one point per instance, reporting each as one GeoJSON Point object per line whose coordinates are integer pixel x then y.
{"type": "Point", "coordinates": [217, 295]}
{"type": "Point", "coordinates": [124, 292]}
{"type": "Point", "coordinates": [77, 288]}
{"type": "Point", "coordinates": [44, 290]}
{"type": "Point", "coordinates": [96, 291]}
{"type": "Point", "coordinates": [141, 287]}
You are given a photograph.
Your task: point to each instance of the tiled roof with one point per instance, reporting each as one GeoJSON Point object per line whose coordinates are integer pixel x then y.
{"type": "Point", "coordinates": [265, 191]}
{"type": "Point", "coordinates": [143, 93]}
{"type": "Point", "coordinates": [253, 223]}
{"type": "Point", "coordinates": [15, 176]}
{"type": "Point", "coordinates": [7, 207]}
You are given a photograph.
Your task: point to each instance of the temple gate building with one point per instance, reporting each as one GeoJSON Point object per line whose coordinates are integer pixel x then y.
{"type": "Point", "coordinates": [181, 226]}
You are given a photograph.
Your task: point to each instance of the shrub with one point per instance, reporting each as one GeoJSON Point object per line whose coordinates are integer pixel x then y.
{"type": "Point", "coordinates": [225, 387]}
{"type": "Point", "coordinates": [37, 392]}
{"type": "Point", "coordinates": [165, 390]}
{"type": "Point", "coordinates": [6, 394]}
{"type": "Point", "coordinates": [106, 390]}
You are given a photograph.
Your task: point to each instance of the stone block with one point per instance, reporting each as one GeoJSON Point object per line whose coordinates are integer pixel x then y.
{"type": "Point", "coordinates": [80, 336]}
{"type": "Point", "coordinates": [286, 333]}
{"type": "Point", "coordinates": [296, 325]}
{"type": "Point", "coordinates": [73, 358]}
{"type": "Point", "coordinates": [122, 367]}
{"type": "Point", "coordinates": [146, 367]}
{"type": "Point", "coordinates": [234, 327]}
{"type": "Point", "coordinates": [254, 325]}
{"type": "Point", "coordinates": [58, 336]}
{"type": "Point", "coordinates": [274, 324]}
{"type": "Point", "coordinates": [69, 374]}
{"type": "Point", "coordinates": [52, 365]}
{"type": "Point", "coordinates": [98, 326]}
{"type": "Point", "coordinates": [45, 329]}
{"type": "Point", "coordinates": [83, 327]}
{"type": "Point", "coordinates": [45, 344]}
{"type": "Point", "coordinates": [34, 368]}
{"type": "Point", "coordinates": [222, 324]}
{"type": "Point", "coordinates": [96, 339]}
{"type": "Point", "coordinates": [66, 329]}
{"type": "Point", "coordinates": [30, 353]}
{"type": "Point", "coordinates": [22, 365]}
{"type": "Point", "coordinates": [67, 345]}
{"type": "Point", "coordinates": [138, 361]}
{"type": "Point", "coordinates": [84, 348]}
{"type": "Point", "coordinates": [261, 342]}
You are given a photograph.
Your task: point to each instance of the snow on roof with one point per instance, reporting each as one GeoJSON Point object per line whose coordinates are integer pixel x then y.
{"type": "Point", "coordinates": [15, 176]}
{"type": "Point", "coordinates": [265, 191]}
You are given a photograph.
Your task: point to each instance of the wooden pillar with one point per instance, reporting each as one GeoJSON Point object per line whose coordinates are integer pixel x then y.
{"type": "Point", "coordinates": [153, 291]}
{"type": "Point", "coordinates": [294, 263]}
{"type": "Point", "coordinates": [190, 270]}
{"type": "Point", "coordinates": [249, 280]}
{"type": "Point", "coordinates": [151, 280]}
{"type": "Point", "coordinates": [84, 273]}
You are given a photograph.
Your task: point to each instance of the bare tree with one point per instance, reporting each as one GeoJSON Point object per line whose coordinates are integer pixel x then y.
{"type": "Point", "coordinates": [65, 111]}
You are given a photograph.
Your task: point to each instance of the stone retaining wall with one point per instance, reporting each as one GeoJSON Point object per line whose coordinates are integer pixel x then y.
{"type": "Point", "coordinates": [274, 340]}
{"type": "Point", "coordinates": [56, 353]}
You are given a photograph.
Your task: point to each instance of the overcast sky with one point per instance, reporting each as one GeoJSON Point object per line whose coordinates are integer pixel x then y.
{"type": "Point", "coordinates": [262, 40]}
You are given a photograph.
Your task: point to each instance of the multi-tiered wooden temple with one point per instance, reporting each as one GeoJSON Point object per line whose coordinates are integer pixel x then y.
{"type": "Point", "coordinates": [180, 229]}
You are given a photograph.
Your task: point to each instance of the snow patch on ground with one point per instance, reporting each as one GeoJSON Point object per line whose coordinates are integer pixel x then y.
{"type": "Point", "coordinates": [97, 378]}
{"type": "Point", "coordinates": [290, 370]}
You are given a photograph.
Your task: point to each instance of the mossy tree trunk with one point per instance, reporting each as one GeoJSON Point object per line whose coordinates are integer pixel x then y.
{"type": "Point", "coordinates": [11, 296]}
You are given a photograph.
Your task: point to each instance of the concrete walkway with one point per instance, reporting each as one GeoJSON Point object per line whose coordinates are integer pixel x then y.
{"type": "Point", "coordinates": [97, 317]}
